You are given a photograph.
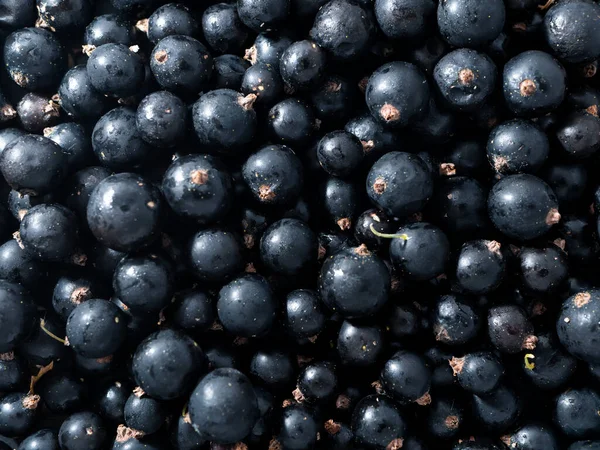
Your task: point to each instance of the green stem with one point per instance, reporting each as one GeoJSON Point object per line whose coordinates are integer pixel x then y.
{"type": "Point", "coordinates": [402, 236]}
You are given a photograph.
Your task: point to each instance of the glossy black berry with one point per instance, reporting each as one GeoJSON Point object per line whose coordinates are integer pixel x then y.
{"type": "Point", "coordinates": [343, 28]}
{"type": "Point", "coordinates": [317, 382]}
{"type": "Point", "coordinates": [172, 19]}
{"type": "Point", "coordinates": [469, 23]}
{"type": "Point", "coordinates": [117, 142]}
{"type": "Point", "coordinates": [400, 184]}
{"type": "Point", "coordinates": [533, 436]}
{"type": "Point", "coordinates": [247, 306]}
{"type": "Point", "coordinates": [143, 413]}
{"type": "Point", "coordinates": [288, 246]}
{"type": "Point", "coordinates": [96, 328]}
{"type": "Point", "coordinates": [340, 153]}
{"type": "Point", "coordinates": [406, 377]}
{"type": "Point", "coordinates": [573, 44]}
{"type": "Point", "coordinates": [274, 175]}
{"type": "Point", "coordinates": [576, 413]}
{"type": "Point", "coordinates": [578, 134]}
{"type": "Point", "coordinates": [498, 410]}
{"type": "Point", "coordinates": [302, 65]}
{"type": "Point", "coordinates": [33, 164]}
{"type": "Point", "coordinates": [304, 315]}
{"type": "Point", "coordinates": [49, 232]}
{"type": "Point", "coordinates": [83, 430]}
{"type": "Point", "coordinates": [354, 282]}
{"type": "Point", "coordinates": [162, 119]}
{"type": "Point", "coordinates": [523, 207]}
{"type": "Point", "coordinates": [478, 373]}
{"type": "Point", "coordinates": [409, 20]}
{"type": "Point", "coordinates": [228, 417]}
{"type": "Point", "coordinates": [45, 439]}
{"type": "Point", "coordinates": [291, 122]}
{"type": "Point", "coordinates": [18, 412]}
{"type": "Point", "coordinates": [78, 97]}
{"type": "Point", "coordinates": [107, 29]}
{"type": "Point", "coordinates": [116, 71]}
{"type": "Point", "coordinates": [465, 79]}
{"type": "Point", "coordinates": [124, 212]}
{"type": "Point", "coordinates": [455, 321]}
{"type": "Point", "coordinates": [215, 255]}
{"type": "Point", "coordinates": [543, 270]}
{"type": "Point", "coordinates": [262, 15]}
{"type": "Point", "coordinates": [548, 365]}
{"type": "Point", "coordinates": [377, 422]}
{"type": "Point", "coordinates": [167, 364]}
{"type": "Point", "coordinates": [232, 112]}
{"type": "Point", "coordinates": [517, 146]}
{"type": "Point", "coordinates": [34, 58]}
{"type": "Point", "coordinates": [533, 83]}
{"type": "Point", "coordinates": [65, 17]}
{"type": "Point", "coordinates": [264, 81]}
{"type": "Point", "coordinates": [359, 345]}
{"type": "Point", "coordinates": [229, 71]}
{"type": "Point", "coordinates": [480, 266]}
{"type": "Point", "coordinates": [509, 329]}
{"type": "Point", "coordinates": [445, 418]}
{"type": "Point", "coordinates": [397, 94]}
{"type": "Point", "coordinates": [272, 368]}
{"type": "Point", "coordinates": [299, 428]}
{"type": "Point", "coordinates": [420, 250]}
{"type": "Point", "coordinates": [181, 64]}
{"type": "Point", "coordinates": [223, 30]}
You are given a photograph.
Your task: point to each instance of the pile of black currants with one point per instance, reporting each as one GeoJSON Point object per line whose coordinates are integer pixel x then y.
{"type": "Point", "coordinates": [299, 224]}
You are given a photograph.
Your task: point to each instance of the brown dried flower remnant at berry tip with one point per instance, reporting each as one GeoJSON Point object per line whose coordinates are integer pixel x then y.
{"type": "Point", "coordinates": [457, 365]}
{"type": "Point", "coordinates": [452, 422]}
{"type": "Point", "coordinates": [396, 444]}
{"type": "Point", "coordinates": [553, 217]}
{"type": "Point", "coordinates": [379, 185]}
{"type": "Point", "coordinates": [582, 299]}
{"type": "Point", "coordinates": [332, 427]}
{"type": "Point", "coordinates": [199, 177]}
{"type": "Point", "coordinates": [527, 88]}
{"type": "Point", "coordinates": [161, 56]}
{"type": "Point", "coordinates": [466, 76]}
{"type": "Point", "coordinates": [389, 113]}
{"type": "Point", "coordinates": [265, 193]}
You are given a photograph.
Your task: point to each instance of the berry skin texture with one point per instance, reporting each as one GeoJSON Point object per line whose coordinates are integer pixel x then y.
{"type": "Point", "coordinates": [223, 30]}
{"type": "Point", "coordinates": [424, 254]}
{"type": "Point", "coordinates": [117, 142]}
{"type": "Point", "coordinates": [34, 58]}
{"type": "Point", "coordinates": [109, 28]}
{"type": "Point", "coordinates": [533, 83]}
{"type": "Point", "coordinates": [223, 407]}
{"type": "Point", "coordinates": [45, 439]}
{"type": "Point", "coordinates": [274, 175]}
{"type": "Point", "coordinates": [166, 364]}
{"type": "Point", "coordinates": [478, 373]}
{"type": "Point", "coordinates": [181, 64]}
{"type": "Point", "coordinates": [229, 71]}
{"type": "Point", "coordinates": [96, 328]}
{"type": "Point", "coordinates": [65, 17]}
{"type": "Point", "coordinates": [343, 28]}
{"type": "Point", "coordinates": [465, 79]}
{"type": "Point", "coordinates": [317, 382]}
{"type": "Point", "coordinates": [359, 345]}
{"type": "Point", "coordinates": [397, 94]}
{"type": "Point", "coordinates": [406, 377]}
{"type": "Point", "coordinates": [523, 207]}
{"type": "Point", "coordinates": [49, 233]}
{"type": "Point", "coordinates": [376, 422]}
{"type": "Point", "coordinates": [553, 366]}
{"type": "Point", "coordinates": [172, 19]}
{"type": "Point", "coordinates": [77, 96]}
{"type": "Point", "coordinates": [198, 187]}
{"type": "Point", "coordinates": [543, 270]}
{"type": "Point", "coordinates": [470, 23]}
{"type": "Point", "coordinates": [33, 164]}
{"type": "Point", "coordinates": [400, 184]}
{"type": "Point", "coordinates": [124, 212]}
{"type": "Point", "coordinates": [291, 122]}
{"type": "Point", "coordinates": [517, 146]}
{"type": "Point", "coordinates": [264, 81]}
{"type": "Point", "coordinates": [497, 411]}
{"type": "Point", "coordinates": [232, 111]}
{"type": "Point", "coordinates": [578, 134]}
{"type": "Point", "coordinates": [509, 329]}
{"type": "Point", "coordinates": [247, 306]}
{"type": "Point", "coordinates": [143, 282]}
{"type": "Point", "coordinates": [405, 19]}
{"type": "Point", "coordinates": [533, 437]}
{"type": "Point", "coordinates": [83, 430]}
{"type": "Point", "coordinates": [480, 266]}
{"type": "Point", "coordinates": [304, 315]}
{"type": "Point", "coordinates": [340, 153]}
{"type": "Point", "coordinates": [260, 15]}
{"type": "Point", "coordinates": [573, 44]}
{"type": "Point", "coordinates": [302, 65]}
{"type": "Point", "coordinates": [161, 119]}
{"type": "Point", "coordinates": [573, 329]}
{"type": "Point", "coordinates": [455, 322]}
{"type": "Point", "coordinates": [288, 246]}
{"type": "Point", "coordinates": [18, 412]}
{"type": "Point", "coordinates": [143, 413]}
{"type": "Point", "coordinates": [116, 71]}
{"type": "Point", "coordinates": [354, 283]}
{"type": "Point", "coordinates": [215, 255]}
{"type": "Point", "coordinates": [299, 428]}
{"type": "Point", "coordinates": [17, 315]}
{"type": "Point", "coordinates": [576, 413]}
